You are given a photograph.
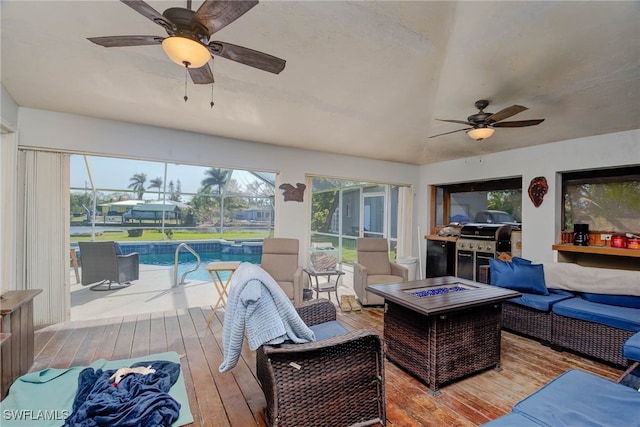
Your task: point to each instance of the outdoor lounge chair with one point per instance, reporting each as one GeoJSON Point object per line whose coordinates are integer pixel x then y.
{"type": "Point", "coordinates": [373, 267]}
{"type": "Point", "coordinates": [103, 265]}
{"type": "Point", "coordinates": [280, 260]}
{"type": "Point", "coordinates": [337, 380]}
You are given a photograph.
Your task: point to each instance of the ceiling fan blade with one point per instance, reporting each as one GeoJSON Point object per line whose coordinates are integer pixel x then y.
{"type": "Point", "coordinates": [247, 56]}
{"type": "Point", "coordinates": [506, 113]}
{"type": "Point", "coordinates": [123, 41]}
{"type": "Point", "coordinates": [462, 122]}
{"type": "Point", "coordinates": [517, 124]}
{"type": "Point", "coordinates": [202, 75]}
{"type": "Point", "coordinates": [214, 15]}
{"type": "Point", "coordinates": [447, 133]}
{"type": "Point", "coordinates": [145, 10]}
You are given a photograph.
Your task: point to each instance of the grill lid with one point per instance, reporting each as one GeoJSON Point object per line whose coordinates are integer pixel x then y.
{"type": "Point", "coordinates": [497, 232]}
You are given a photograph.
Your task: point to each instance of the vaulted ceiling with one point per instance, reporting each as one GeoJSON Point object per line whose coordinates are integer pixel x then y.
{"type": "Point", "coordinates": [363, 78]}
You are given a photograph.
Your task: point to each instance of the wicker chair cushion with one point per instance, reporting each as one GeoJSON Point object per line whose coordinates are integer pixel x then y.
{"type": "Point", "coordinates": [577, 398]}
{"type": "Point", "coordinates": [521, 277]}
{"type": "Point", "coordinates": [329, 329]}
{"type": "Point", "coordinates": [619, 300]}
{"type": "Point", "coordinates": [624, 318]}
{"type": "Point", "coordinates": [631, 348]}
{"type": "Point", "coordinates": [542, 302]}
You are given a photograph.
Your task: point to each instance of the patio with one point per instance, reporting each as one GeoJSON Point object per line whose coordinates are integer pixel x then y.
{"type": "Point", "coordinates": [154, 292]}
{"type": "Point", "coordinates": [235, 398]}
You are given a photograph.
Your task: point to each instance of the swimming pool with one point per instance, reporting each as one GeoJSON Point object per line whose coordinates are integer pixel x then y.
{"type": "Point", "coordinates": [186, 262]}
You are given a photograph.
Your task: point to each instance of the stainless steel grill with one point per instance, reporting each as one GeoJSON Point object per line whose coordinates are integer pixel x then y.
{"type": "Point", "coordinates": [478, 243]}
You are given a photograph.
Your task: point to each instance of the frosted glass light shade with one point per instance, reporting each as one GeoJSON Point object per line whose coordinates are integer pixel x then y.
{"type": "Point", "coordinates": [480, 133]}
{"type": "Point", "coordinates": [184, 51]}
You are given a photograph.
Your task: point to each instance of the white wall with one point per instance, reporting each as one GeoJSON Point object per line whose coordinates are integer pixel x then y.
{"type": "Point", "coordinates": [8, 110]}
{"type": "Point", "coordinates": [541, 226]}
{"type": "Point", "coordinates": [72, 133]}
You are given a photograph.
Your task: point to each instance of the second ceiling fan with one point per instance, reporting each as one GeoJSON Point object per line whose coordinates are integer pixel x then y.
{"type": "Point", "coordinates": [483, 124]}
{"type": "Point", "coordinates": [188, 32]}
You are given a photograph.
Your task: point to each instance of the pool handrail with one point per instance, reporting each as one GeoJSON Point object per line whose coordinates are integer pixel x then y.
{"type": "Point", "coordinates": [175, 264]}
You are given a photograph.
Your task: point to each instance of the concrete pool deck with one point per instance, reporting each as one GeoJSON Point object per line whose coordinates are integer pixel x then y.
{"type": "Point", "coordinates": [153, 292]}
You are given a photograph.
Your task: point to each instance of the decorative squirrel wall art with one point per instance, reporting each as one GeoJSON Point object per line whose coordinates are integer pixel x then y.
{"type": "Point", "coordinates": [291, 193]}
{"type": "Point", "coordinates": [537, 189]}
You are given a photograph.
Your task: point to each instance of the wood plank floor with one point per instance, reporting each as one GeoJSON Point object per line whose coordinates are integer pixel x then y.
{"type": "Point", "coordinates": [235, 398]}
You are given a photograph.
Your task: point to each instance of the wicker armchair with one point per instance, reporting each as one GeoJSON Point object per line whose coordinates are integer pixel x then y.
{"type": "Point", "coordinates": [101, 264]}
{"type": "Point", "coordinates": [373, 267]}
{"type": "Point", "coordinates": [337, 381]}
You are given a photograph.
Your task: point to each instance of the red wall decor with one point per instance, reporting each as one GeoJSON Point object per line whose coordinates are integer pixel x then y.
{"type": "Point", "coordinates": [537, 189]}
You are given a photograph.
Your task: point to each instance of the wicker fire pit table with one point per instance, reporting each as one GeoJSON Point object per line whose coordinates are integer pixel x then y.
{"type": "Point", "coordinates": [444, 328]}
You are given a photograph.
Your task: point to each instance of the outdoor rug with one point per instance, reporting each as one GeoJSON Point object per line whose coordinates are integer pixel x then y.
{"type": "Point", "coordinates": [45, 398]}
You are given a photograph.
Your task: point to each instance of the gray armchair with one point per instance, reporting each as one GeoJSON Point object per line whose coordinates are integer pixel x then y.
{"type": "Point", "coordinates": [101, 264]}
{"type": "Point", "coordinates": [373, 267]}
{"type": "Point", "coordinates": [280, 260]}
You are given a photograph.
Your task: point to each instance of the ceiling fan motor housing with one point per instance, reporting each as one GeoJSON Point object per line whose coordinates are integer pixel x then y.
{"type": "Point", "coordinates": [186, 26]}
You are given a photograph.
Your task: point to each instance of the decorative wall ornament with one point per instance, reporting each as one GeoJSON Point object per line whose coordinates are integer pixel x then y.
{"type": "Point", "coordinates": [291, 193]}
{"type": "Point", "coordinates": [537, 189]}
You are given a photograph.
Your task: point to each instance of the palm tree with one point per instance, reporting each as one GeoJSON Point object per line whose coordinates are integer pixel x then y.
{"type": "Point", "coordinates": [137, 184]}
{"type": "Point", "coordinates": [217, 178]}
{"type": "Point", "coordinates": [156, 183]}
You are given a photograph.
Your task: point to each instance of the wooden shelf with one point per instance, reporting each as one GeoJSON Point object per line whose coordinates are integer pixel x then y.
{"type": "Point", "coordinates": [441, 238]}
{"type": "Point", "coordinates": [597, 250]}
{"type": "Point", "coordinates": [599, 256]}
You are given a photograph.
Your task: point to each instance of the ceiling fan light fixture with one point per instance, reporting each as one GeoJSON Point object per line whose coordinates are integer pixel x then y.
{"type": "Point", "coordinates": [185, 51]}
{"type": "Point", "coordinates": [480, 133]}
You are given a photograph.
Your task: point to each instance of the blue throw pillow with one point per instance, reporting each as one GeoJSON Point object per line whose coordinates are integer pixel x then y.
{"type": "Point", "coordinates": [520, 261]}
{"type": "Point", "coordinates": [618, 300]}
{"type": "Point", "coordinates": [521, 277]}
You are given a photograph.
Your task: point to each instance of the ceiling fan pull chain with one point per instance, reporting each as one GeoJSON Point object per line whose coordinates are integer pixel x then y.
{"type": "Point", "coordinates": [211, 103]}
{"type": "Point", "coordinates": [186, 77]}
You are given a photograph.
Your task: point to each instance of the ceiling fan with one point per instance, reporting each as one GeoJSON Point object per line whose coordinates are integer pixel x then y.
{"type": "Point", "coordinates": [188, 32]}
{"type": "Point", "coordinates": [483, 124]}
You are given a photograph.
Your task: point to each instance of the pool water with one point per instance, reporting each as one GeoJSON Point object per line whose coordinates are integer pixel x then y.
{"type": "Point", "coordinates": [186, 262]}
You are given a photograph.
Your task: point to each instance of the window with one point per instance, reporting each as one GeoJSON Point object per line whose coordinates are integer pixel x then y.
{"type": "Point", "coordinates": [496, 201]}
{"type": "Point", "coordinates": [126, 198]}
{"type": "Point", "coordinates": [607, 200]}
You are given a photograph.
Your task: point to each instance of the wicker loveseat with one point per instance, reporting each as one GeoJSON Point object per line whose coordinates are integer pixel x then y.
{"type": "Point", "coordinates": [337, 380]}
{"type": "Point", "coordinates": [587, 310]}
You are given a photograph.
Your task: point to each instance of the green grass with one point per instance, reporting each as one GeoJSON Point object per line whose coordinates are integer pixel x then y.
{"type": "Point", "coordinates": [156, 235]}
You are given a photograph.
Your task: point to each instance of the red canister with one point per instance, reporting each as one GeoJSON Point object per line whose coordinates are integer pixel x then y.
{"type": "Point", "coordinates": [618, 241]}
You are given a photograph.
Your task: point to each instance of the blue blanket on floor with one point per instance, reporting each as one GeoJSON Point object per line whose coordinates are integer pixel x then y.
{"type": "Point", "coordinates": [137, 400]}
{"type": "Point", "coordinates": [45, 398]}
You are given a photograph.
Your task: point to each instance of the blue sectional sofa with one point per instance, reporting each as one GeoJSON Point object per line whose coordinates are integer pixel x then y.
{"type": "Point", "coordinates": [576, 398]}
{"type": "Point", "coordinates": [584, 309]}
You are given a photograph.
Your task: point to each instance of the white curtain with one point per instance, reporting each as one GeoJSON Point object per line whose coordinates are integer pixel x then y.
{"type": "Point", "coordinates": [405, 222]}
{"type": "Point", "coordinates": [43, 227]}
{"type": "Point", "coordinates": [8, 235]}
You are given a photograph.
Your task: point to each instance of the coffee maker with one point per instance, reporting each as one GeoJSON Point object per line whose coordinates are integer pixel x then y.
{"type": "Point", "coordinates": [581, 234]}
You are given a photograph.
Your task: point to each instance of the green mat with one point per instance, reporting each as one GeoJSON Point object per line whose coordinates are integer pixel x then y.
{"type": "Point", "coordinates": [45, 398]}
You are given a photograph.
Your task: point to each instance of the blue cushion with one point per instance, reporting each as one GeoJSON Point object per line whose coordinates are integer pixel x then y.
{"type": "Point", "coordinates": [521, 261]}
{"type": "Point", "coordinates": [610, 315]}
{"type": "Point", "coordinates": [518, 276]}
{"type": "Point", "coordinates": [511, 420]}
{"type": "Point", "coordinates": [329, 329]}
{"type": "Point", "coordinates": [631, 348]}
{"type": "Point", "coordinates": [542, 302]}
{"type": "Point", "coordinates": [619, 300]}
{"type": "Point", "coordinates": [577, 398]}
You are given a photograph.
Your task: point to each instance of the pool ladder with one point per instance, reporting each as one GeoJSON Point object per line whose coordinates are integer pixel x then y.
{"type": "Point", "coordinates": [175, 264]}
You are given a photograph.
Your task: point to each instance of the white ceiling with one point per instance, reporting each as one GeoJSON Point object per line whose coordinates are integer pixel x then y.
{"type": "Point", "coordinates": [364, 78]}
